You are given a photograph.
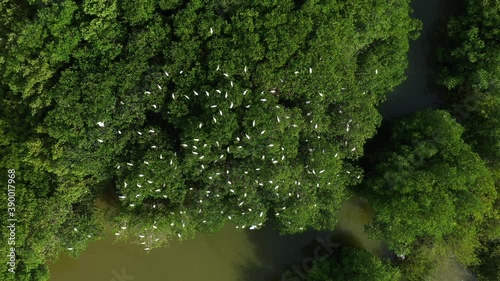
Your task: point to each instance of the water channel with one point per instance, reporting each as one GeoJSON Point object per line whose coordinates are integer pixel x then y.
{"type": "Point", "coordinates": [264, 255]}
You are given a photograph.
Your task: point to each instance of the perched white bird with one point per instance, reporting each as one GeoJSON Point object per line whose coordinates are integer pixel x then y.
{"type": "Point", "coordinates": [211, 31]}
{"type": "Point", "coordinates": [159, 87]}
{"type": "Point", "coordinates": [99, 140]}
{"type": "Point", "coordinates": [100, 123]}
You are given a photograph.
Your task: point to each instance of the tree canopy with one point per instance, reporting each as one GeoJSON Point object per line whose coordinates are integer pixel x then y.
{"type": "Point", "coordinates": [470, 60]}
{"type": "Point", "coordinates": [430, 189]}
{"type": "Point", "coordinates": [356, 265]}
{"type": "Point", "coordinates": [193, 113]}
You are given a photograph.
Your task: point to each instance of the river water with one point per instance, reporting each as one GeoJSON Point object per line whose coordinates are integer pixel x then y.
{"type": "Point", "coordinates": [264, 255]}
{"type": "Point", "coordinates": [228, 255]}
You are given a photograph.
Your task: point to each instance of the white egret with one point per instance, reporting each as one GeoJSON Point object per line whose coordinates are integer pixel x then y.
{"type": "Point", "coordinates": [100, 123]}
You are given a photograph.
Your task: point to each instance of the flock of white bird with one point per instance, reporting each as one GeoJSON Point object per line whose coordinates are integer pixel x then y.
{"type": "Point", "coordinates": [204, 154]}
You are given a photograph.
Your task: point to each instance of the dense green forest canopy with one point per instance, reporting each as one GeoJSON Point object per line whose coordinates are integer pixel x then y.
{"type": "Point", "coordinates": [193, 113]}
{"type": "Point", "coordinates": [353, 265]}
{"type": "Point", "coordinates": [431, 193]}
{"type": "Point", "coordinates": [470, 58]}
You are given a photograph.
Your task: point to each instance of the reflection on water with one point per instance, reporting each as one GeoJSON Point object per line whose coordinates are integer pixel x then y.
{"type": "Point", "coordinates": [452, 271]}
{"type": "Point", "coordinates": [229, 255]}
{"type": "Point", "coordinates": [208, 257]}
{"type": "Point", "coordinates": [353, 217]}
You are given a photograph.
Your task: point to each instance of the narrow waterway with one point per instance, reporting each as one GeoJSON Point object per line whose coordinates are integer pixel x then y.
{"type": "Point", "coordinates": [264, 255]}
{"type": "Point", "coordinates": [228, 255]}
{"type": "Point", "coordinates": [420, 91]}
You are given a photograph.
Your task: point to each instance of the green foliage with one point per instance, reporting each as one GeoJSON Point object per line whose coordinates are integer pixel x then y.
{"type": "Point", "coordinates": [471, 71]}
{"type": "Point", "coordinates": [193, 114]}
{"type": "Point", "coordinates": [430, 188]}
{"type": "Point", "coordinates": [354, 264]}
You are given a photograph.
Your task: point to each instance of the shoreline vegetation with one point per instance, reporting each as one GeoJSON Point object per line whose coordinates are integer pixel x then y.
{"type": "Point", "coordinates": [186, 115]}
